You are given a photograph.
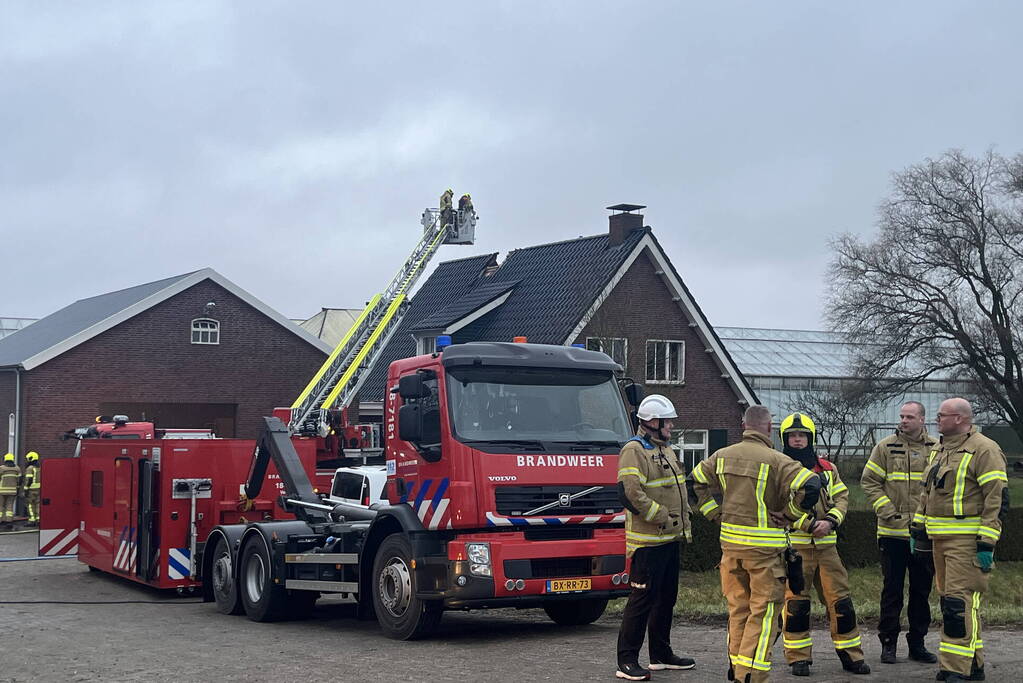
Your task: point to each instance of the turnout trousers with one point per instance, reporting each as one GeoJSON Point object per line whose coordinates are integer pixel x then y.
{"type": "Point", "coordinates": [754, 586]}
{"type": "Point", "coordinates": [7, 502]}
{"type": "Point", "coordinates": [32, 503]}
{"type": "Point", "coordinates": [823, 568]}
{"type": "Point", "coordinates": [654, 580]}
{"type": "Point", "coordinates": [896, 563]}
{"type": "Point", "coordinates": [960, 585]}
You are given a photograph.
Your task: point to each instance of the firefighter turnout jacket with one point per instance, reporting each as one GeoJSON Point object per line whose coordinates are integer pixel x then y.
{"type": "Point", "coordinates": [832, 506]}
{"type": "Point", "coordinates": [10, 479]}
{"type": "Point", "coordinates": [892, 480]}
{"type": "Point", "coordinates": [964, 489]}
{"type": "Point", "coordinates": [652, 486]}
{"type": "Point", "coordinates": [740, 485]}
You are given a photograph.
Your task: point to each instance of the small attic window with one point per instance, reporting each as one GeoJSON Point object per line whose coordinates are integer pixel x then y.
{"type": "Point", "coordinates": [205, 331]}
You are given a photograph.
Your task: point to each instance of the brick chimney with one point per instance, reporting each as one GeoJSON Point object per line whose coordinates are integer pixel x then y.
{"type": "Point", "coordinates": [623, 221]}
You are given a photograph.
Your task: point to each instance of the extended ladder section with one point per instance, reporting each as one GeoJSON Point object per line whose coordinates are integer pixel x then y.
{"type": "Point", "coordinates": [348, 366]}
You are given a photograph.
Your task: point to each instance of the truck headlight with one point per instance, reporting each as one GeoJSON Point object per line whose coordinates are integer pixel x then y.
{"type": "Point", "coordinates": [479, 553]}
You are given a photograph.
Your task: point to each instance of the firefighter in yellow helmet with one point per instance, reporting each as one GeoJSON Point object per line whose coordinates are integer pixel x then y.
{"type": "Point", "coordinates": [960, 511]}
{"type": "Point", "coordinates": [10, 477]}
{"type": "Point", "coordinates": [447, 214]}
{"type": "Point", "coordinates": [33, 483]}
{"type": "Point", "coordinates": [745, 487]}
{"type": "Point", "coordinates": [822, 565]}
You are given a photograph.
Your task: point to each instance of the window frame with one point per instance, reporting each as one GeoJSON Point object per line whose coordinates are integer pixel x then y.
{"type": "Point", "coordinates": [212, 331]}
{"type": "Point", "coordinates": [682, 447]}
{"type": "Point", "coordinates": [426, 345]}
{"type": "Point", "coordinates": [599, 341]}
{"type": "Point", "coordinates": [667, 359]}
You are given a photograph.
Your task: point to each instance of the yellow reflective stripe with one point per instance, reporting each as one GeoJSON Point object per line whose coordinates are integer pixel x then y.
{"type": "Point", "coordinates": [801, 521]}
{"type": "Point", "coordinates": [846, 644]}
{"type": "Point", "coordinates": [953, 649]}
{"type": "Point", "coordinates": [930, 456]}
{"type": "Point", "coordinates": [888, 531]}
{"type": "Point", "coordinates": [950, 526]}
{"type": "Point", "coordinates": [876, 469]}
{"type": "Point", "coordinates": [797, 644]}
{"type": "Point", "coordinates": [993, 534]}
{"type": "Point", "coordinates": [957, 497]}
{"type": "Point", "coordinates": [699, 475]}
{"type": "Point", "coordinates": [652, 512]}
{"type": "Point", "coordinates": [803, 538]}
{"type": "Point", "coordinates": [709, 507]}
{"type": "Point", "coordinates": [905, 476]}
{"type": "Point", "coordinates": [800, 479]}
{"type": "Point", "coordinates": [631, 472]}
{"type": "Point", "coordinates": [839, 488]}
{"type": "Point", "coordinates": [653, 538]}
{"type": "Point", "coordinates": [761, 485]}
{"type": "Point", "coordinates": [837, 514]}
{"type": "Point", "coordinates": [973, 617]}
{"type": "Point", "coordinates": [880, 502]}
{"type": "Point", "coordinates": [918, 518]}
{"type": "Point", "coordinates": [794, 509]}
{"type": "Point", "coordinates": [753, 530]}
{"type": "Point", "coordinates": [760, 657]}
{"type": "Point", "coordinates": [951, 521]}
{"type": "Point", "coordinates": [755, 541]}
{"type": "Point", "coordinates": [991, 476]}
{"type": "Point", "coordinates": [721, 473]}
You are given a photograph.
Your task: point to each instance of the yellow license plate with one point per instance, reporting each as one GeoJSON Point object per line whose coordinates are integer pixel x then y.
{"type": "Point", "coordinates": [568, 585]}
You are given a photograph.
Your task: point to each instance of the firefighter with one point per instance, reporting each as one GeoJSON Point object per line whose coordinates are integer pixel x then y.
{"type": "Point", "coordinates": [446, 214]}
{"type": "Point", "coordinates": [822, 565]}
{"type": "Point", "coordinates": [891, 481]}
{"type": "Point", "coordinates": [960, 512]}
{"type": "Point", "coordinates": [744, 487]}
{"type": "Point", "coordinates": [10, 477]}
{"type": "Point", "coordinates": [33, 483]}
{"type": "Point", "coordinates": [651, 483]}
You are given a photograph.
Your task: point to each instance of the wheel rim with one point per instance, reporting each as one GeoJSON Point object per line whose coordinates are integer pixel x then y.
{"type": "Point", "coordinates": [222, 574]}
{"type": "Point", "coordinates": [395, 587]}
{"type": "Point", "coordinates": [255, 573]}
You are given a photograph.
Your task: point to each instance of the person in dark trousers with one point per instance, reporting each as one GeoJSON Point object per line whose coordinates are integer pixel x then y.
{"type": "Point", "coordinates": [892, 481]}
{"type": "Point", "coordinates": [651, 483]}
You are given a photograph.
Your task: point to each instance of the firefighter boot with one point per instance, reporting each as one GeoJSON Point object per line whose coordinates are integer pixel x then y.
{"type": "Point", "coordinates": [888, 653]}
{"type": "Point", "coordinates": [858, 667]}
{"type": "Point", "coordinates": [801, 668]}
{"type": "Point", "coordinates": [976, 674]}
{"type": "Point", "coordinates": [632, 671]}
{"type": "Point", "coordinates": [919, 653]}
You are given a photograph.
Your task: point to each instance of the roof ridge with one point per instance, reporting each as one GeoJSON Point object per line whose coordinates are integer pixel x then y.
{"type": "Point", "coordinates": [466, 258]}
{"type": "Point", "coordinates": [171, 279]}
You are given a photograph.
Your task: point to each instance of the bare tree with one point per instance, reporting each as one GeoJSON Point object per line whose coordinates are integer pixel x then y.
{"type": "Point", "coordinates": [940, 288]}
{"type": "Point", "coordinates": [841, 414]}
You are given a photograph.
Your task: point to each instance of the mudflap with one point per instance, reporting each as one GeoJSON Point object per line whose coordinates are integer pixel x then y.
{"type": "Point", "coordinates": [59, 517]}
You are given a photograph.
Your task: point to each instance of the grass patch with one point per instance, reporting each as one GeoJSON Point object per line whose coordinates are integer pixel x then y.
{"type": "Point", "coordinates": [700, 598]}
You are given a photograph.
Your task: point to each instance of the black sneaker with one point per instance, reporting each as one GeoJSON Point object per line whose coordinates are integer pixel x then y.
{"type": "Point", "coordinates": [632, 672]}
{"type": "Point", "coordinates": [801, 668]}
{"type": "Point", "coordinates": [919, 653]}
{"type": "Point", "coordinates": [888, 653]}
{"type": "Point", "coordinates": [672, 662]}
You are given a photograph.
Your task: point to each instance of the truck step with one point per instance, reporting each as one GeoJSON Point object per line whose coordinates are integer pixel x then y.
{"type": "Point", "coordinates": [321, 558]}
{"type": "Point", "coordinates": [323, 586]}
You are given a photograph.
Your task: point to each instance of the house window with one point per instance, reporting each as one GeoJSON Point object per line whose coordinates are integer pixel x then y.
{"type": "Point", "coordinates": [665, 361]}
{"type": "Point", "coordinates": [616, 347]}
{"type": "Point", "coordinates": [426, 345]}
{"type": "Point", "coordinates": [205, 331]}
{"type": "Point", "coordinates": [692, 446]}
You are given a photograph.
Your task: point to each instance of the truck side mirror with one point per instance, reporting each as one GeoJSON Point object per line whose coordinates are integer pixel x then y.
{"type": "Point", "coordinates": [411, 386]}
{"type": "Point", "coordinates": [634, 394]}
{"type": "Point", "coordinates": [411, 428]}
{"type": "Point", "coordinates": [410, 422]}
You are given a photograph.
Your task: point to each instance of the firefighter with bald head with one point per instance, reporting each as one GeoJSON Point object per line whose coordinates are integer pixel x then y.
{"type": "Point", "coordinates": [753, 492]}
{"type": "Point", "coordinates": [10, 479]}
{"type": "Point", "coordinates": [960, 512]}
{"type": "Point", "coordinates": [651, 484]}
{"type": "Point", "coordinates": [822, 565]}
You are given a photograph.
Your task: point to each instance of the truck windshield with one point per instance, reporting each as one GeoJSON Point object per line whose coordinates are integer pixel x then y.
{"type": "Point", "coordinates": [531, 407]}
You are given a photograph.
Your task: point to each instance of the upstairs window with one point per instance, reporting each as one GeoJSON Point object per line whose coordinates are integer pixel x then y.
{"type": "Point", "coordinates": [205, 331]}
{"type": "Point", "coordinates": [616, 347]}
{"type": "Point", "coordinates": [665, 361]}
{"type": "Point", "coordinates": [425, 345]}
{"type": "Point", "coordinates": [692, 445]}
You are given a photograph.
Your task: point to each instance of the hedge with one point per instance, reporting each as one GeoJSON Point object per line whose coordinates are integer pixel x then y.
{"type": "Point", "coordinates": [857, 541]}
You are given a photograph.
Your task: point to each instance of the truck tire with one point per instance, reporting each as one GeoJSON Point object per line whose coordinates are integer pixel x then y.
{"type": "Point", "coordinates": [401, 614]}
{"type": "Point", "coordinates": [262, 599]}
{"type": "Point", "coordinates": [575, 612]}
{"type": "Point", "coordinates": [223, 580]}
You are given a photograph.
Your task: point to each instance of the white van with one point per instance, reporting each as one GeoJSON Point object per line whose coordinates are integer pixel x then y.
{"type": "Point", "coordinates": [361, 486]}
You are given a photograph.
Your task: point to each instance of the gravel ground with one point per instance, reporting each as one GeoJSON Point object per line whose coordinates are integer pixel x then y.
{"type": "Point", "coordinates": [170, 638]}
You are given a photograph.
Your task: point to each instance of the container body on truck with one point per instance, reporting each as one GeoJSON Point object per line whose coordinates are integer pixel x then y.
{"type": "Point", "coordinates": [501, 492]}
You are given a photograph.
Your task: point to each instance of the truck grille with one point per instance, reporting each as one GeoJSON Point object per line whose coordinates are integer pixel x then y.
{"type": "Point", "coordinates": [548, 568]}
{"type": "Point", "coordinates": [518, 500]}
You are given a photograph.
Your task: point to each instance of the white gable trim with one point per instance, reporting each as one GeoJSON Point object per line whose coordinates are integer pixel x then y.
{"type": "Point", "coordinates": [478, 313]}
{"type": "Point", "coordinates": [685, 302]}
{"type": "Point", "coordinates": [171, 290]}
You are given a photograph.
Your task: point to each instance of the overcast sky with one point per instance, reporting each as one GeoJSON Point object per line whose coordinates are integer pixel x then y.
{"type": "Point", "coordinates": [292, 146]}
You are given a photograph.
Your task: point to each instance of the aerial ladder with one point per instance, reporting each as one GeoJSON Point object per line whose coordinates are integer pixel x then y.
{"type": "Point", "coordinates": [335, 385]}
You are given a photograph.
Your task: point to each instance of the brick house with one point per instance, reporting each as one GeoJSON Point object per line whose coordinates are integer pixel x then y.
{"type": "Point", "coordinates": [193, 350]}
{"type": "Point", "coordinates": [617, 292]}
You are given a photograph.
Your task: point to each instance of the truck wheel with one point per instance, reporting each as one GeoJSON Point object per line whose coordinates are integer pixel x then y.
{"type": "Point", "coordinates": [262, 598]}
{"type": "Point", "coordinates": [401, 614]}
{"type": "Point", "coordinates": [575, 612]}
{"type": "Point", "coordinates": [222, 579]}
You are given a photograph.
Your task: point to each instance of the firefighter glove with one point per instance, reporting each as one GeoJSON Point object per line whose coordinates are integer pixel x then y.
{"type": "Point", "coordinates": [985, 556]}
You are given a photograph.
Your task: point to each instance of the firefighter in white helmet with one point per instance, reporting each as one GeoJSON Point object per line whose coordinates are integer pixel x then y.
{"type": "Point", "coordinates": [10, 477]}
{"type": "Point", "coordinates": [652, 486]}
